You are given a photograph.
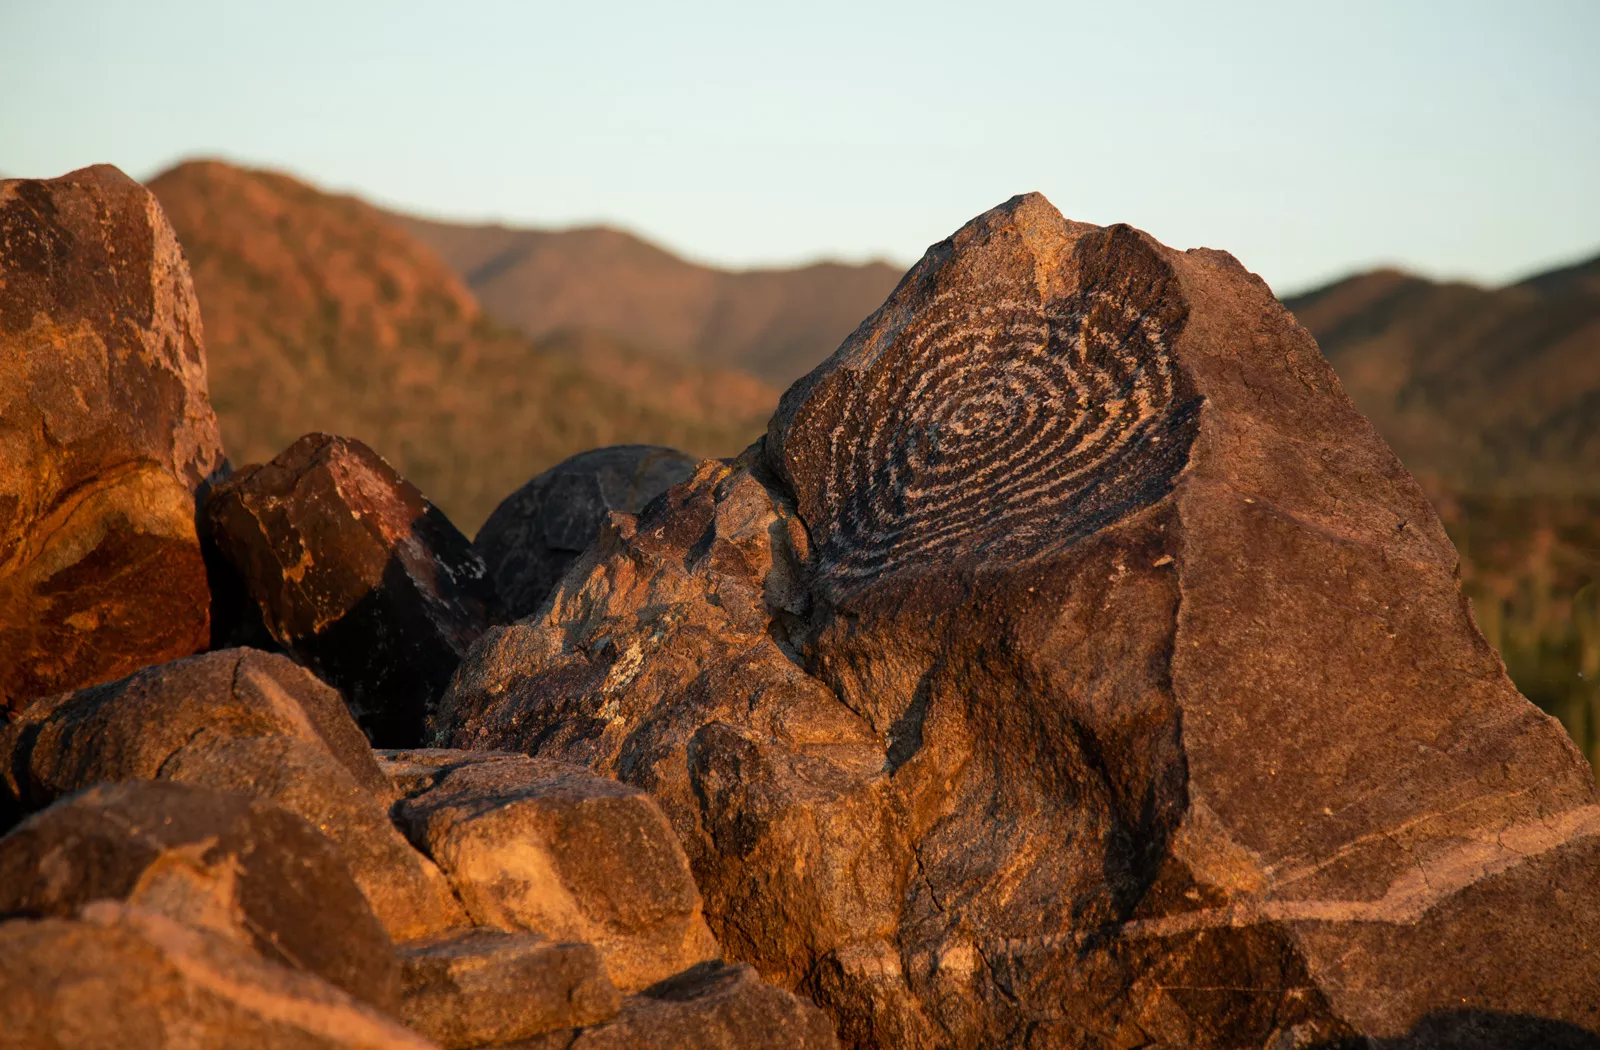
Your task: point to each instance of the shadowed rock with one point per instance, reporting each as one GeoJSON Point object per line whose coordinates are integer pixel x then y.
{"type": "Point", "coordinates": [238, 721]}
{"type": "Point", "coordinates": [239, 867]}
{"type": "Point", "coordinates": [107, 433]}
{"type": "Point", "coordinates": [550, 849]}
{"type": "Point", "coordinates": [127, 978]}
{"type": "Point", "coordinates": [356, 575]}
{"type": "Point", "coordinates": [1072, 665]}
{"type": "Point", "coordinates": [541, 528]}
{"type": "Point", "coordinates": [487, 987]}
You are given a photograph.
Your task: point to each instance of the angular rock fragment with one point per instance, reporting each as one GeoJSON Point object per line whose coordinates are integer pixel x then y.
{"type": "Point", "coordinates": [714, 1006]}
{"type": "Point", "coordinates": [236, 866]}
{"type": "Point", "coordinates": [355, 574]}
{"type": "Point", "coordinates": [551, 849]}
{"type": "Point", "coordinates": [541, 528]}
{"type": "Point", "coordinates": [136, 980]}
{"type": "Point", "coordinates": [238, 721]}
{"type": "Point", "coordinates": [1072, 665]}
{"type": "Point", "coordinates": [105, 434]}
{"type": "Point", "coordinates": [487, 987]}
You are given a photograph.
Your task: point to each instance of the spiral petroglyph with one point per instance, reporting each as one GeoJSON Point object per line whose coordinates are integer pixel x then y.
{"type": "Point", "coordinates": [1003, 423]}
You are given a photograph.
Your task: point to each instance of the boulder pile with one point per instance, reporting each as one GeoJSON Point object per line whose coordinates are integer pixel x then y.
{"type": "Point", "coordinates": [1069, 666]}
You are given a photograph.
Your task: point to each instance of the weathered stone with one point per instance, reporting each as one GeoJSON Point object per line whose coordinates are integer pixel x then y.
{"type": "Point", "coordinates": [552, 849]}
{"type": "Point", "coordinates": [237, 866]}
{"type": "Point", "coordinates": [541, 528]}
{"type": "Point", "coordinates": [487, 987]}
{"type": "Point", "coordinates": [414, 770]}
{"type": "Point", "coordinates": [357, 575]}
{"type": "Point", "coordinates": [105, 434]}
{"type": "Point", "coordinates": [713, 1006]}
{"type": "Point", "coordinates": [1072, 665]}
{"type": "Point", "coordinates": [127, 978]}
{"type": "Point", "coordinates": [240, 721]}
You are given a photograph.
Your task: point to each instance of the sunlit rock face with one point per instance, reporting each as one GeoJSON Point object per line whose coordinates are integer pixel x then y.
{"type": "Point", "coordinates": [1072, 665]}
{"type": "Point", "coordinates": [106, 432]}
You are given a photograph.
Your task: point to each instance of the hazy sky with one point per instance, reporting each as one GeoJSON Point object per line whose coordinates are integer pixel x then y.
{"type": "Point", "coordinates": [1454, 138]}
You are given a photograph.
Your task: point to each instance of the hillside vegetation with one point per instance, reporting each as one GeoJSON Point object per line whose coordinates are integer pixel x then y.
{"type": "Point", "coordinates": [322, 314]}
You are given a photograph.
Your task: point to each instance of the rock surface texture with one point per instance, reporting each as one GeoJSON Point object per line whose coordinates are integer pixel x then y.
{"type": "Point", "coordinates": [488, 987]}
{"type": "Point", "coordinates": [237, 721]}
{"type": "Point", "coordinates": [234, 866]}
{"type": "Point", "coordinates": [1072, 666]}
{"type": "Point", "coordinates": [105, 434]}
{"type": "Point", "coordinates": [357, 575]}
{"type": "Point", "coordinates": [541, 528]}
{"type": "Point", "coordinates": [136, 980]}
{"type": "Point", "coordinates": [554, 850]}
{"type": "Point", "coordinates": [713, 1006]}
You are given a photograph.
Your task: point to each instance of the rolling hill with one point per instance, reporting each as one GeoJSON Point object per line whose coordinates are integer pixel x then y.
{"type": "Point", "coordinates": [322, 314]}
{"type": "Point", "coordinates": [1477, 390]}
{"type": "Point", "coordinates": [776, 324]}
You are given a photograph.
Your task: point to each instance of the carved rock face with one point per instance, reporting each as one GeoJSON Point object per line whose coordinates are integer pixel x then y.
{"type": "Point", "coordinates": [1008, 416]}
{"type": "Point", "coordinates": [105, 434]}
{"type": "Point", "coordinates": [1072, 665]}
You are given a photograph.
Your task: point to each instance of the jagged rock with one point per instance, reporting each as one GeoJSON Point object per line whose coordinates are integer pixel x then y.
{"type": "Point", "coordinates": [107, 433]}
{"type": "Point", "coordinates": [357, 575]}
{"type": "Point", "coordinates": [237, 866]}
{"type": "Point", "coordinates": [541, 528]}
{"type": "Point", "coordinates": [1072, 665]}
{"type": "Point", "coordinates": [487, 987]}
{"type": "Point", "coordinates": [552, 849]}
{"type": "Point", "coordinates": [127, 978]}
{"type": "Point", "coordinates": [713, 1006]}
{"type": "Point", "coordinates": [240, 721]}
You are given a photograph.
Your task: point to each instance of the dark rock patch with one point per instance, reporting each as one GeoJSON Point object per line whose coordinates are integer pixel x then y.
{"type": "Point", "coordinates": [541, 528]}
{"type": "Point", "coordinates": [356, 575]}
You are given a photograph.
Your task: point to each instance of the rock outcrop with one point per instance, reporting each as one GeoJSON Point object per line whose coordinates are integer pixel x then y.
{"type": "Point", "coordinates": [127, 978]}
{"type": "Point", "coordinates": [541, 528]}
{"type": "Point", "coordinates": [226, 864]}
{"type": "Point", "coordinates": [105, 435]}
{"type": "Point", "coordinates": [237, 721]}
{"type": "Point", "coordinates": [551, 849]}
{"type": "Point", "coordinates": [357, 575]}
{"type": "Point", "coordinates": [1072, 665]}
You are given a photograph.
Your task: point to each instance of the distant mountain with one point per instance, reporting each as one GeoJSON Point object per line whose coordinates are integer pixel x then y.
{"type": "Point", "coordinates": [323, 314]}
{"type": "Point", "coordinates": [775, 323]}
{"type": "Point", "coordinates": [1478, 390]}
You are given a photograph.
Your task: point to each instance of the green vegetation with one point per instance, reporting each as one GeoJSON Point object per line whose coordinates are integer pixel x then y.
{"type": "Point", "coordinates": [1531, 566]}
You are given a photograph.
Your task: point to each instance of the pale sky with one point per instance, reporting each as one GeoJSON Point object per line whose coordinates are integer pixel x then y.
{"type": "Point", "coordinates": [1456, 139]}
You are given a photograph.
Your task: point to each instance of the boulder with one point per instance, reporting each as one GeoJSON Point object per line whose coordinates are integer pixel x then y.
{"type": "Point", "coordinates": [106, 432]}
{"type": "Point", "coordinates": [127, 978]}
{"type": "Point", "coordinates": [551, 849]}
{"type": "Point", "coordinates": [239, 721]}
{"type": "Point", "coordinates": [1072, 665]}
{"type": "Point", "coordinates": [713, 1006]}
{"type": "Point", "coordinates": [239, 867]}
{"type": "Point", "coordinates": [540, 529]}
{"type": "Point", "coordinates": [357, 575]}
{"type": "Point", "coordinates": [487, 987]}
